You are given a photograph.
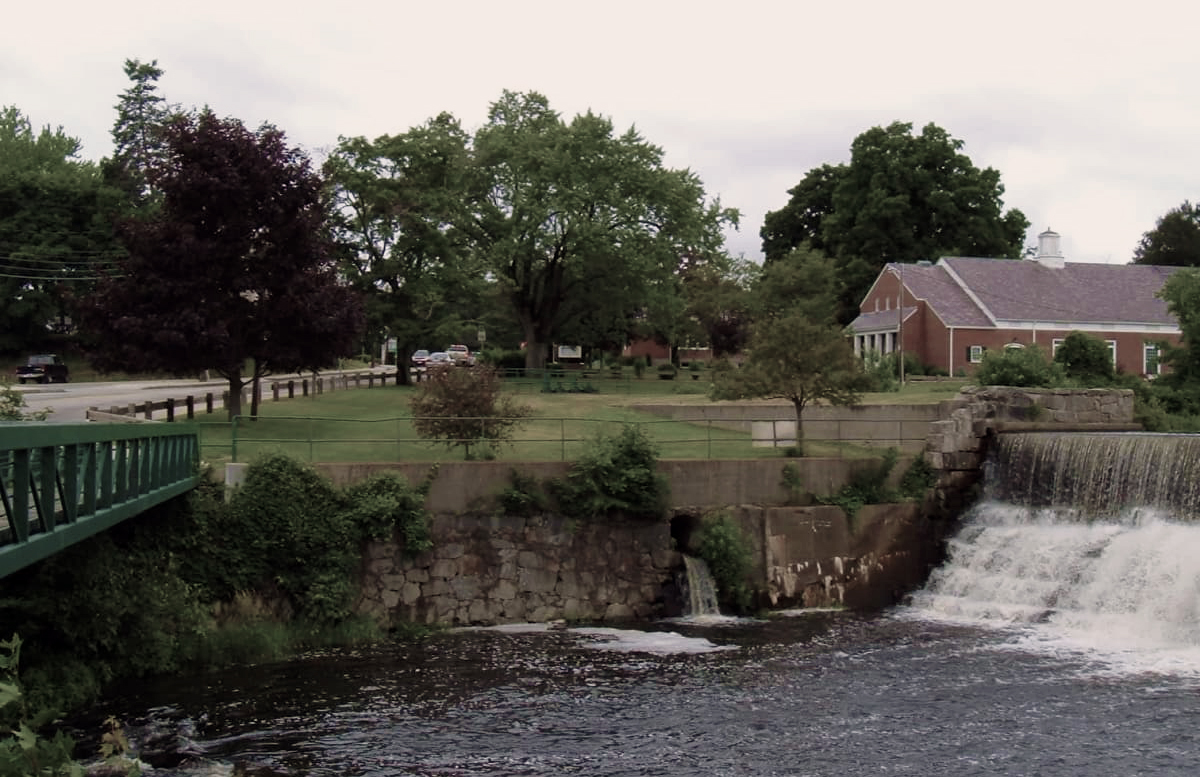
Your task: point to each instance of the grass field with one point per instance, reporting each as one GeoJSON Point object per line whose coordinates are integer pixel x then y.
{"type": "Point", "coordinates": [375, 424]}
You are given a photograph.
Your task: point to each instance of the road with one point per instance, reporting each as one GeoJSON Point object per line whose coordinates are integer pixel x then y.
{"type": "Point", "coordinates": [70, 401]}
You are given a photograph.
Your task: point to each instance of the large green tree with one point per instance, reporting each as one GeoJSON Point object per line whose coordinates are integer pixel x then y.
{"type": "Point", "coordinates": [234, 266]}
{"type": "Point", "coordinates": [55, 229]}
{"type": "Point", "coordinates": [1174, 241]}
{"type": "Point", "coordinates": [398, 206]}
{"type": "Point", "coordinates": [577, 219]}
{"type": "Point", "coordinates": [903, 197]}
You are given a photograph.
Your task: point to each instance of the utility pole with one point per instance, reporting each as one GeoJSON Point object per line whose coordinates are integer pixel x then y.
{"type": "Point", "coordinates": [900, 324]}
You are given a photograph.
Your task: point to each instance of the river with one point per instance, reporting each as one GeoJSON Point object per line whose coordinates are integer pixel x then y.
{"type": "Point", "coordinates": [1049, 643]}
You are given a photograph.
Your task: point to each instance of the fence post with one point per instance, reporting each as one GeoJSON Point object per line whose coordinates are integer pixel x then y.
{"type": "Point", "coordinates": [132, 411]}
{"type": "Point", "coordinates": [208, 403]}
{"type": "Point", "coordinates": [291, 389]}
{"type": "Point", "coordinates": [170, 409]}
{"type": "Point", "coordinates": [191, 407]}
{"type": "Point", "coordinates": [304, 387]}
{"type": "Point", "coordinates": [275, 391]}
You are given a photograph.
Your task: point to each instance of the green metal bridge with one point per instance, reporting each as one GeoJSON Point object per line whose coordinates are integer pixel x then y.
{"type": "Point", "coordinates": [61, 483]}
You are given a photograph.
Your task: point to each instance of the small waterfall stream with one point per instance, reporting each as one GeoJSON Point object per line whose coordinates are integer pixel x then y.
{"type": "Point", "coordinates": [1090, 540]}
{"type": "Point", "coordinates": [700, 590]}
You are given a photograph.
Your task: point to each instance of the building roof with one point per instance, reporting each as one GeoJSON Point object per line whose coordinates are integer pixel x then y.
{"type": "Point", "coordinates": [879, 321]}
{"type": "Point", "coordinates": [1077, 293]}
{"type": "Point", "coordinates": [972, 292]}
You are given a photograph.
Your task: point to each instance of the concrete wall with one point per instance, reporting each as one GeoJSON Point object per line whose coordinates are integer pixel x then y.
{"type": "Point", "coordinates": [884, 426]}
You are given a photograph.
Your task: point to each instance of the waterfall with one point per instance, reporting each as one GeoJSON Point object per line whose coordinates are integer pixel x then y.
{"type": "Point", "coordinates": [1099, 475]}
{"type": "Point", "coordinates": [699, 589]}
{"type": "Point", "coordinates": [1088, 540]}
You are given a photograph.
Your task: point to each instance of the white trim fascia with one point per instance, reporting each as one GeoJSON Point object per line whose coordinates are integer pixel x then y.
{"type": "Point", "coordinates": [967, 290]}
{"type": "Point", "coordinates": [1124, 328]}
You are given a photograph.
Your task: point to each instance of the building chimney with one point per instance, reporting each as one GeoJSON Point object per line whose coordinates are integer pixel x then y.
{"type": "Point", "coordinates": [1049, 254]}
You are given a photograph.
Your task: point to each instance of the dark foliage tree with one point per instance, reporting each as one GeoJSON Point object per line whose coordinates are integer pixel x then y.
{"type": "Point", "coordinates": [576, 218]}
{"type": "Point", "coordinates": [902, 198]}
{"type": "Point", "coordinates": [719, 299]}
{"type": "Point", "coordinates": [55, 229]}
{"type": "Point", "coordinates": [235, 265]}
{"type": "Point", "coordinates": [1174, 241]}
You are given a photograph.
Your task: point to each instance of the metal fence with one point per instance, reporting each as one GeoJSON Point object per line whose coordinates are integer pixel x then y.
{"type": "Point", "coordinates": [315, 438]}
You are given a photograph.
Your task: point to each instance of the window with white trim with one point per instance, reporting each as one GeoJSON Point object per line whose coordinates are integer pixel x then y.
{"type": "Point", "coordinates": [1151, 359]}
{"type": "Point", "coordinates": [1055, 344]}
{"type": "Point", "coordinates": [1112, 351]}
{"type": "Point", "coordinates": [975, 354]}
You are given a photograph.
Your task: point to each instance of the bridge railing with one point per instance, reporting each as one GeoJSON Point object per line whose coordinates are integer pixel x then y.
{"type": "Point", "coordinates": [62, 483]}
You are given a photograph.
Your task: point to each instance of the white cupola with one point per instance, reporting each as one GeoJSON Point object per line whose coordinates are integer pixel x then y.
{"type": "Point", "coordinates": [1049, 254]}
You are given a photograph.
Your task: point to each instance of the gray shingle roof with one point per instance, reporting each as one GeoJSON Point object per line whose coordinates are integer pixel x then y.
{"type": "Point", "coordinates": [882, 321]}
{"type": "Point", "coordinates": [1078, 292]}
{"type": "Point", "coordinates": [946, 298]}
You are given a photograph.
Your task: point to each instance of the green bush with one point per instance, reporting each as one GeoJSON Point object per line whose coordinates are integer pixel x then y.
{"type": "Point", "coordinates": [728, 554]}
{"type": "Point", "coordinates": [617, 473]}
{"type": "Point", "coordinates": [1025, 367]}
{"type": "Point", "coordinates": [867, 486]}
{"type": "Point", "coordinates": [881, 371]}
{"type": "Point", "coordinates": [918, 479]}
{"type": "Point", "coordinates": [523, 496]}
{"type": "Point", "coordinates": [667, 371]}
{"type": "Point", "coordinates": [1085, 359]}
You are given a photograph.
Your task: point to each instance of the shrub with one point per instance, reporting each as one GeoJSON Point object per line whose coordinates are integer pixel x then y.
{"type": "Point", "coordinates": [667, 371]}
{"type": "Point", "coordinates": [919, 478]}
{"type": "Point", "coordinates": [727, 552]}
{"type": "Point", "coordinates": [867, 486]}
{"type": "Point", "coordinates": [466, 407]}
{"type": "Point", "coordinates": [881, 371]}
{"type": "Point", "coordinates": [1085, 359]}
{"type": "Point", "coordinates": [616, 473]}
{"type": "Point", "coordinates": [1025, 367]}
{"type": "Point", "coordinates": [523, 496]}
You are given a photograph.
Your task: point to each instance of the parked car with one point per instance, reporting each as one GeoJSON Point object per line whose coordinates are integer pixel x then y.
{"type": "Point", "coordinates": [43, 368]}
{"type": "Point", "coordinates": [439, 359]}
{"type": "Point", "coordinates": [420, 357]}
{"type": "Point", "coordinates": [461, 355]}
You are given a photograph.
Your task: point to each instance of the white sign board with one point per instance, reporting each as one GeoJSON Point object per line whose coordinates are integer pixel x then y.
{"type": "Point", "coordinates": [570, 352]}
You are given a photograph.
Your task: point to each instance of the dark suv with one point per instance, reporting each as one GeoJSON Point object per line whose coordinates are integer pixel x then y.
{"type": "Point", "coordinates": [43, 368]}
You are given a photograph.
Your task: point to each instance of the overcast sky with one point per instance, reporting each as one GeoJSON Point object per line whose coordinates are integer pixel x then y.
{"type": "Point", "coordinates": [1090, 111]}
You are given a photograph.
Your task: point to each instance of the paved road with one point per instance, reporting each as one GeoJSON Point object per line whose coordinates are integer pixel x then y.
{"type": "Point", "coordinates": [70, 401]}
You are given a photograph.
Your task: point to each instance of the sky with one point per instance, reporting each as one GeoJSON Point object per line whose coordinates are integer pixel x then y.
{"type": "Point", "coordinates": [1090, 112]}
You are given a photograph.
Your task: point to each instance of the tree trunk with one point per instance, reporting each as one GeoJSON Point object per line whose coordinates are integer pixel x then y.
{"type": "Point", "coordinates": [535, 351]}
{"type": "Point", "coordinates": [255, 395]}
{"type": "Point", "coordinates": [234, 406]}
{"type": "Point", "coordinates": [799, 427]}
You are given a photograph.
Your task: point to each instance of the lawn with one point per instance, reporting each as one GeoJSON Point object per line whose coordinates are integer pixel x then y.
{"type": "Point", "coordinates": [374, 424]}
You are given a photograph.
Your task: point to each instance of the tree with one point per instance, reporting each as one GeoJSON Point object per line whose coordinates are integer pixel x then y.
{"type": "Point", "coordinates": [234, 266]}
{"type": "Point", "coordinates": [902, 198]}
{"type": "Point", "coordinates": [55, 229]}
{"type": "Point", "coordinates": [138, 140]}
{"type": "Point", "coordinates": [398, 204]}
{"type": "Point", "coordinates": [719, 300]}
{"type": "Point", "coordinates": [466, 406]}
{"type": "Point", "coordinates": [796, 352]}
{"type": "Point", "coordinates": [576, 218]}
{"type": "Point", "coordinates": [1085, 358]}
{"type": "Point", "coordinates": [797, 359]}
{"type": "Point", "coordinates": [1174, 241]}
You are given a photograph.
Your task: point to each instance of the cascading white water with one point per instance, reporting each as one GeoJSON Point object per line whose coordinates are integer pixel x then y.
{"type": "Point", "coordinates": [1118, 580]}
{"type": "Point", "coordinates": [701, 594]}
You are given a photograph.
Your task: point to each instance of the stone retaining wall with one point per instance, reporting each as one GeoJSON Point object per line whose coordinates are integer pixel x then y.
{"type": "Point", "coordinates": [957, 444]}
{"type": "Point", "coordinates": [505, 569]}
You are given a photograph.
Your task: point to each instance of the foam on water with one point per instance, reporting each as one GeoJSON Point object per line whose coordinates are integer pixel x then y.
{"type": "Point", "coordinates": [1123, 591]}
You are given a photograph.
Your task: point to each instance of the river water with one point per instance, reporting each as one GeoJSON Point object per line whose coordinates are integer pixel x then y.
{"type": "Point", "coordinates": [1046, 645]}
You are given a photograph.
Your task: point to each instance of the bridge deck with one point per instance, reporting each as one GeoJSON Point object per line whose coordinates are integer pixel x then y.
{"type": "Point", "coordinates": [61, 483]}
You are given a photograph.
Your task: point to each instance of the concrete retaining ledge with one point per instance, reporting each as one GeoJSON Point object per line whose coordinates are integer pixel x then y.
{"type": "Point", "coordinates": [699, 484]}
